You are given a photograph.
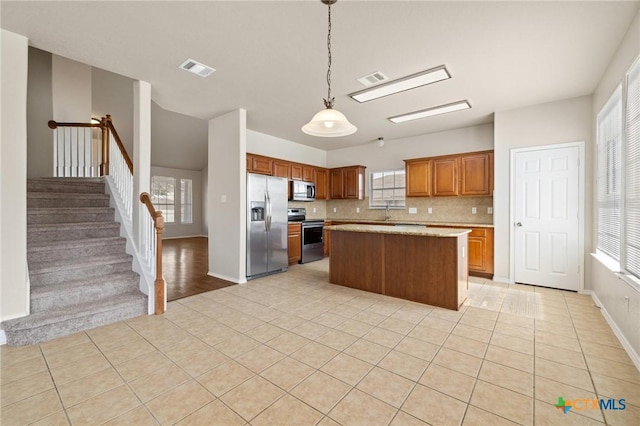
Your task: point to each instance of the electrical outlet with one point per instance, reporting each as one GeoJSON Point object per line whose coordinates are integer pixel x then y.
{"type": "Point", "coordinates": [314, 209]}
{"type": "Point", "coordinates": [357, 209]}
{"type": "Point", "coordinates": [413, 210]}
{"type": "Point", "coordinates": [335, 209]}
{"type": "Point", "coordinates": [474, 210]}
{"type": "Point", "coordinates": [489, 210]}
{"type": "Point", "coordinates": [429, 210]}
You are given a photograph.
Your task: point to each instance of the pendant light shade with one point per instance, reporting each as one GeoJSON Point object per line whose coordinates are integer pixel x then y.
{"type": "Point", "coordinates": [329, 123]}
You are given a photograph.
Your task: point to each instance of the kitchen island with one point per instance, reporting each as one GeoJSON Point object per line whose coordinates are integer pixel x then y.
{"type": "Point", "coordinates": [426, 265]}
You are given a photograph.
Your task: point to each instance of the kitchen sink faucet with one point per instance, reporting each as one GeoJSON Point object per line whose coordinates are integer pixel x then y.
{"type": "Point", "coordinates": [387, 213]}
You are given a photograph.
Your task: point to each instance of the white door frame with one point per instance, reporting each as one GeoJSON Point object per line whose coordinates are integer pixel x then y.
{"type": "Point", "coordinates": [581, 204]}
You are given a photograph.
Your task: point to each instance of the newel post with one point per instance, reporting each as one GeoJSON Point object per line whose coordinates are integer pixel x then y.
{"type": "Point", "coordinates": [104, 166]}
{"type": "Point", "coordinates": [159, 282]}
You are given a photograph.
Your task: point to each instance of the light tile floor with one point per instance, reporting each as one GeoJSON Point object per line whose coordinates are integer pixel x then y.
{"type": "Point", "coordinates": [293, 349]}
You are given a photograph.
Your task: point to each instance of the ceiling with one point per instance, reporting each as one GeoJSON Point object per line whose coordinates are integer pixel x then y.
{"type": "Point", "coordinates": [271, 56]}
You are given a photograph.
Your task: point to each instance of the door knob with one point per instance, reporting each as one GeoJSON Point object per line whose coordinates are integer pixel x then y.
{"type": "Point", "coordinates": [519, 224]}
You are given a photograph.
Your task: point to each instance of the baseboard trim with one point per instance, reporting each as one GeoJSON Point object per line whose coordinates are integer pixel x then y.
{"type": "Point", "coordinates": [184, 236]}
{"type": "Point", "coordinates": [635, 358]}
{"type": "Point", "coordinates": [226, 278]}
{"type": "Point", "coordinates": [504, 280]}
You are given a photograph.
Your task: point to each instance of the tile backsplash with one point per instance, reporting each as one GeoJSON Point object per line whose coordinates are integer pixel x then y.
{"type": "Point", "coordinates": [443, 209]}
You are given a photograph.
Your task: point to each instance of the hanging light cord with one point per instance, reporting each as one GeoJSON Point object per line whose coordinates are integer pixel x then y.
{"type": "Point", "coordinates": [329, 101]}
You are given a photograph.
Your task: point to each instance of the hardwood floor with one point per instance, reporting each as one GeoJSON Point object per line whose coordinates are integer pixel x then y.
{"type": "Point", "coordinates": [185, 264]}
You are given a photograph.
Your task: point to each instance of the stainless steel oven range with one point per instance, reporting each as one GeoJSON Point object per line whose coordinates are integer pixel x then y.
{"type": "Point", "coordinates": [312, 231]}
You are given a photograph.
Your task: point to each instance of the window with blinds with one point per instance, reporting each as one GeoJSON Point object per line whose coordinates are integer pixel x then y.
{"type": "Point", "coordinates": [632, 175]}
{"type": "Point", "coordinates": [387, 188]}
{"type": "Point", "coordinates": [609, 169]}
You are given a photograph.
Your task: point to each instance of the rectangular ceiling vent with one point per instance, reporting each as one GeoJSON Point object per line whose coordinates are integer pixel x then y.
{"type": "Point", "coordinates": [373, 78]}
{"type": "Point", "coordinates": [196, 68]}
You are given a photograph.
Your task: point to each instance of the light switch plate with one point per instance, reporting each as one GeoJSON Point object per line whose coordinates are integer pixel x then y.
{"type": "Point", "coordinates": [357, 209]}
{"type": "Point", "coordinates": [489, 210]}
{"type": "Point", "coordinates": [413, 210]}
{"type": "Point", "coordinates": [429, 210]}
{"type": "Point", "coordinates": [223, 198]}
{"type": "Point", "coordinates": [335, 209]}
{"type": "Point", "coordinates": [474, 210]}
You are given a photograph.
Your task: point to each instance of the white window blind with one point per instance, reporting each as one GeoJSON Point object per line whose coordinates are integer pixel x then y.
{"type": "Point", "coordinates": [186, 201]}
{"type": "Point", "coordinates": [632, 169]}
{"type": "Point", "coordinates": [163, 191]}
{"type": "Point", "coordinates": [387, 188]}
{"type": "Point", "coordinates": [609, 130]}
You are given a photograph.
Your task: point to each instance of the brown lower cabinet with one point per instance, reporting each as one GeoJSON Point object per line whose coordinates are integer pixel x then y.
{"type": "Point", "coordinates": [294, 242]}
{"type": "Point", "coordinates": [480, 248]}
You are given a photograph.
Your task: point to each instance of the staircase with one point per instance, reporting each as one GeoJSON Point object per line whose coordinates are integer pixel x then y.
{"type": "Point", "coordinates": [81, 276]}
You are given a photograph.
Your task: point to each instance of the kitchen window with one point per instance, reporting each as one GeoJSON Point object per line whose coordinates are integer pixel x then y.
{"type": "Point", "coordinates": [618, 177]}
{"type": "Point", "coordinates": [186, 201]}
{"type": "Point", "coordinates": [163, 191]}
{"type": "Point", "coordinates": [387, 188]}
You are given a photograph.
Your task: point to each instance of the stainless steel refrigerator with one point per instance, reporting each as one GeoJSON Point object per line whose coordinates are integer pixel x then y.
{"type": "Point", "coordinates": [266, 225]}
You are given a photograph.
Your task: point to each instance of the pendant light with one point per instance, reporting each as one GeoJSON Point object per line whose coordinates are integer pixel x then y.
{"type": "Point", "coordinates": [329, 123]}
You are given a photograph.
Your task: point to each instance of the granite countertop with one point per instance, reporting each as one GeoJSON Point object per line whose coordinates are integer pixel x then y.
{"type": "Point", "coordinates": [417, 222]}
{"type": "Point", "coordinates": [401, 230]}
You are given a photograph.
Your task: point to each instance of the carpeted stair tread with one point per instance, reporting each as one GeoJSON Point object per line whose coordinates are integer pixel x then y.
{"type": "Point", "coordinates": [39, 319]}
{"type": "Point", "coordinates": [68, 293]}
{"type": "Point", "coordinates": [77, 185]}
{"type": "Point", "coordinates": [71, 244]}
{"type": "Point", "coordinates": [67, 264]}
{"type": "Point", "coordinates": [69, 210]}
{"type": "Point", "coordinates": [39, 227]}
{"type": "Point", "coordinates": [128, 277]}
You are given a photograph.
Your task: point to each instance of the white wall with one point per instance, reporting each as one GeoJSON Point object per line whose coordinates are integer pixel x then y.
{"type": "Point", "coordinates": [14, 275]}
{"type": "Point", "coordinates": [71, 90]}
{"type": "Point", "coordinates": [226, 216]}
{"type": "Point", "coordinates": [271, 146]}
{"type": "Point", "coordinates": [394, 152]}
{"type": "Point", "coordinates": [620, 300]}
{"type": "Point", "coordinates": [551, 123]}
{"type": "Point", "coordinates": [177, 229]}
{"type": "Point", "coordinates": [39, 112]}
{"type": "Point", "coordinates": [205, 201]}
{"type": "Point", "coordinates": [113, 94]}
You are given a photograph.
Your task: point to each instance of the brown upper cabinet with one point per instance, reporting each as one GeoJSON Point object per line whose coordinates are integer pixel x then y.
{"type": "Point", "coordinates": [445, 176]}
{"type": "Point", "coordinates": [296, 171]}
{"type": "Point", "coordinates": [451, 175]}
{"type": "Point", "coordinates": [259, 164]}
{"type": "Point", "coordinates": [320, 179]}
{"type": "Point", "coordinates": [281, 169]}
{"type": "Point", "coordinates": [307, 173]}
{"type": "Point", "coordinates": [475, 171]}
{"type": "Point", "coordinates": [418, 175]}
{"type": "Point", "coordinates": [346, 183]}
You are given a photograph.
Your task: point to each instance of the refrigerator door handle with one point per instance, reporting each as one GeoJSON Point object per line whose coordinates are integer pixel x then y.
{"type": "Point", "coordinates": [267, 221]}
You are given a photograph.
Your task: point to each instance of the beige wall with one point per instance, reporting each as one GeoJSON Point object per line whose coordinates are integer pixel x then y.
{"type": "Point", "coordinates": [271, 146]}
{"type": "Point", "coordinates": [226, 196]}
{"type": "Point", "coordinates": [113, 94]}
{"type": "Point", "coordinates": [14, 278]}
{"type": "Point", "coordinates": [551, 123]}
{"type": "Point", "coordinates": [71, 90]}
{"type": "Point", "coordinates": [39, 112]}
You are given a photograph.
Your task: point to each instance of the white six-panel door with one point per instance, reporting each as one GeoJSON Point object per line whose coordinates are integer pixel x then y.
{"type": "Point", "coordinates": [547, 226]}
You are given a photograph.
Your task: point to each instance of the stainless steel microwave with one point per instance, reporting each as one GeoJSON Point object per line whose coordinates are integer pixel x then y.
{"type": "Point", "coordinates": [302, 191]}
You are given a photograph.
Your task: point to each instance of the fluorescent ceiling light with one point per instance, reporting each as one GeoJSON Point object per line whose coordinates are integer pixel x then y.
{"type": "Point", "coordinates": [406, 83]}
{"type": "Point", "coordinates": [442, 109]}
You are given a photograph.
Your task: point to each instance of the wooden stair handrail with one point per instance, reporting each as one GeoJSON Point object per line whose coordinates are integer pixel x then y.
{"type": "Point", "coordinates": [158, 222]}
{"type": "Point", "coordinates": [109, 124]}
{"type": "Point", "coordinates": [54, 124]}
